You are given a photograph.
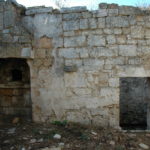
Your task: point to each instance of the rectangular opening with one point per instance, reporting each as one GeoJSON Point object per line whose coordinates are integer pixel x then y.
{"type": "Point", "coordinates": [135, 103]}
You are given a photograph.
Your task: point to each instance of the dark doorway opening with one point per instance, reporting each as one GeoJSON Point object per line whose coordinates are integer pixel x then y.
{"type": "Point", "coordinates": [15, 91]}
{"type": "Point", "coordinates": [134, 103]}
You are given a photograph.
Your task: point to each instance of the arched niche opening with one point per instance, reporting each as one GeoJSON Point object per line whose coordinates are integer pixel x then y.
{"type": "Point", "coordinates": [15, 90]}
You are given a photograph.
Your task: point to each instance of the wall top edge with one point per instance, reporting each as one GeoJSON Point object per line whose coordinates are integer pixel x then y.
{"type": "Point", "coordinates": [78, 9]}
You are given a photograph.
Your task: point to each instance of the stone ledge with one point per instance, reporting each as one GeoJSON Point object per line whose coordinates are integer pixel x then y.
{"type": "Point", "coordinates": [73, 9]}
{"type": "Point", "coordinates": [38, 10]}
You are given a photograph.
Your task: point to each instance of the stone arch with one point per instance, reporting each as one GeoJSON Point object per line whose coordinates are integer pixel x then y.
{"type": "Point", "coordinates": [15, 89]}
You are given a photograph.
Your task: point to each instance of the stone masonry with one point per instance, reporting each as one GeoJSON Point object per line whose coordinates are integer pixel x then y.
{"type": "Point", "coordinates": [77, 57]}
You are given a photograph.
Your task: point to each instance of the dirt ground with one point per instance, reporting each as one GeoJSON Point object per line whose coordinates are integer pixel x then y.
{"type": "Point", "coordinates": [69, 136]}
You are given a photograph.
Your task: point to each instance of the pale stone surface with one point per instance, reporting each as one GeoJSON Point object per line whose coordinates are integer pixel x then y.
{"type": "Point", "coordinates": [77, 41]}
{"type": "Point", "coordinates": [127, 50]}
{"type": "Point", "coordinates": [68, 53]}
{"type": "Point", "coordinates": [26, 52]}
{"type": "Point", "coordinates": [73, 9]}
{"type": "Point", "coordinates": [38, 10]}
{"type": "Point", "coordinates": [47, 27]}
{"type": "Point", "coordinates": [77, 57]}
{"type": "Point", "coordinates": [71, 25]}
{"type": "Point", "coordinates": [96, 40]}
{"type": "Point", "coordinates": [119, 21]}
{"type": "Point", "coordinates": [111, 39]}
{"type": "Point", "coordinates": [83, 23]}
{"type": "Point", "coordinates": [72, 16]}
{"type": "Point", "coordinates": [137, 32]}
{"type": "Point", "coordinates": [101, 22]}
{"type": "Point", "coordinates": [1, 22]}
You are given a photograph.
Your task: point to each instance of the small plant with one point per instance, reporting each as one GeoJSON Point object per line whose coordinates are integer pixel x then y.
{"type": "Point", "coordinates": [49, 135]}
{"type": "Point", "coordinates": [84, 137]}
{"type": "Point", "coordinates": [35, 131]}
{"type": "Point", "coordinates": [60, 123]}
{"type": "Point", "coordinates": [119, 147]}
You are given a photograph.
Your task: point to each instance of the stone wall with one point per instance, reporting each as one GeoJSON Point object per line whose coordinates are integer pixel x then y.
{"type": "Point", "coordinates": [78, 57]}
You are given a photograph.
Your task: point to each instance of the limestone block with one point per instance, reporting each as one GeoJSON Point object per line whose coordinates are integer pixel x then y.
{"type": "Point", "coordinates": [112, 51]}
{"type": "Point", "coordinates": [101, 51]}
{"type": "Point", "coordinates": [7, 38]}
{"type": "Point", "coordinates": [49, 25]}
{"type": "Point", "coordinates": [40, 53]}
{"type": "Point", "coordinates": [73, 9]}
{"type": "Point", "coordinates": [77, 41]}
{"type": "Point", "coordinates": [1, 21]}
{"type": "Point", "coordinates": [131, 41]}
{"type": "Point", "coordinates": [132, 20]}
{"type": "Point", "coordinates": [134, 61]}
{"type": "Point", "coordinates": [68, 53]}
{"type": "Point", "coordinates": [82, 91]}
{"type": "Point", "coordinates": [99, 120]}
{"type": "Point", "coordinates": [111, 39]}
{"type": "Point", "coordinates": [112, 12]}
{"type": "Point", "coordinates": [121, 39]}
{"type": "Point", "coordinates": [73, 62]}
{"type": "Point", "coordinates": [126, 30]}
{"type": "Point", "coordinates": [92, 23]}
{"type": "Point", "coordinates": [86, 15]}
{"type": "Point", "coordinates": [127, 50]}
{"type": "Point", "coordinates": [110, 94]}
{"type": "Point", "coordinates": [137, 32]}
{"type": "Point", "coordinates": [44, 42]}
{"type": "Point", "coordinates": [57, 42]}
{"type": "Point", "coordinates": [72, 16]}
{"type": "Point", "coordinates": [108, 31]}
{"type": "Point", "coordinates": [26, 52]}
{"type": "Point", "coordinates": [83, 52]}
{"type": "Point", "coordinates": [96, 40]}
{"type": "Point", "coordinates": [115, 61]}
{"type": "Point", "coordinates": [1, 8]}
{"type": "Point", "coordinates": [101, 22]}
{"type": "Point", "coordinates": [94, 63]}
{"type": "Point", "coordinates": [147, 33]}
{"type": "Point", "coordinates": [75, 80]}
{"type": "Point", "coordinates": [78, 117]}
{"type": "Point", "coordinates": [147, 24]}
{"type": "Point", "coordinates": [143, 50]}
{"type": "Point", "coordinates": [38, 10]}
{"type": "Point", "coordinates": [71, 25]}
{"type": "Point", "coordinates": [113, 82]}
{"type": "Point", "coordinates": [119, 21]}
{"type": "Point", "coordinates": [24, 39]}
{"type": "Point", "coordinates": [69, 33]}
{"type": "Point", "coordinates": [129, 10]}
{"type": "Point", "coordinates": [112, 6]}
{"type": "Point", "coordinates": [117, 31]}
{"type": "Point", "coordinates": [102, 13]}
{"type": "Point", "coordinates": [9, 19]}
{"type": "Point", "coordinates": [83, 23]}
{"type": "Point", "coordinates": [103, 5]}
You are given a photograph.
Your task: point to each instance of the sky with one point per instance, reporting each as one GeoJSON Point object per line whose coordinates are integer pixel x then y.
{"type": "Point", "coordinates": [89, 3]}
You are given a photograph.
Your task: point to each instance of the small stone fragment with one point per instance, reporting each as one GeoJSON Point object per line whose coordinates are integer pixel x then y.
{"type": "Point", "coordinates": [32, 141]}
{"type": "Point", "coordinates": [11, 131]}
{"type": "Point", "coordinates": [112, 143]}
{"type": "Point", "coordinates": [144, 146]}
{"type": "Point", "coordinates": [94, 133]}
{"type": "Point", "coordinates": [57, 136]}
{"type": "Point", "coordinates": [16, 120]}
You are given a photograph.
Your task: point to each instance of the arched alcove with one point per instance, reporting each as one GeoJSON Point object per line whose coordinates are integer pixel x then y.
{"type": "Point", "coordinates": [15, 95]}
